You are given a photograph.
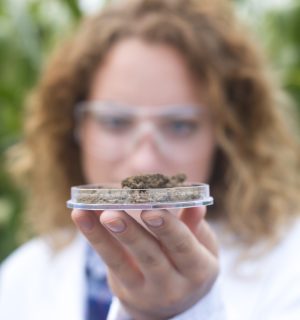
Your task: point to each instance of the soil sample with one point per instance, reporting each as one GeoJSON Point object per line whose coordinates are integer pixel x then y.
{"type": "Point", "coordinates": [149, 188]}
{"type": "Point", "coordinates": [150, 181]}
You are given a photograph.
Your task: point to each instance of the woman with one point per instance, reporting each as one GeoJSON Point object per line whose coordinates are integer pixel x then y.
{"type": "Point", "coordinates": [159, 86]}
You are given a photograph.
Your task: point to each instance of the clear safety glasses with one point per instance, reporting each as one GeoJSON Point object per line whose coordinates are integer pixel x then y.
{"type": "Point", "coordinates": [116, 131]}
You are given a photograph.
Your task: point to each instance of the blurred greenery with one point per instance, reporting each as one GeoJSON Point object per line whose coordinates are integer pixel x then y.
{"type": "Point", "coordinates": [28, 31]}
{"type": "Point", "coordinates": [278, 28]}
{"type": "Point", "coordinates": [283, 43]}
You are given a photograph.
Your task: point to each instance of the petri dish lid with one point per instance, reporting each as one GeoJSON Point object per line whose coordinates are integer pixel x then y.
{"type": "Point", "coordinates": [112, 197]}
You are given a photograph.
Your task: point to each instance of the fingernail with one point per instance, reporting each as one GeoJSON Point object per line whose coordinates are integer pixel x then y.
{"type": "Point", "coordinates": [86, 223]}
{"type": "Point", "coordinates": [116, 225]}
{"type": "Point", "coordinates": [152, 219]}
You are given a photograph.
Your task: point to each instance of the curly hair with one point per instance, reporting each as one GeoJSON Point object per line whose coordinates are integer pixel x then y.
{"type": "Point", "coordinates": [255, 179]}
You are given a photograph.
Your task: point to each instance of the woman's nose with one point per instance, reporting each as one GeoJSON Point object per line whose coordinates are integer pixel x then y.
{"type": "Point", "coordinates": [146, 157]}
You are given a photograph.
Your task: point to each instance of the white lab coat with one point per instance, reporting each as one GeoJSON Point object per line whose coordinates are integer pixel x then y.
{"type": "Point", "coordinates": [35, 284]}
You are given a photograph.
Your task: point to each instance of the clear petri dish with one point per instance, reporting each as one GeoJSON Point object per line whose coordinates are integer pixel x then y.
{"type": "Point", "coordinates": [112, 197]}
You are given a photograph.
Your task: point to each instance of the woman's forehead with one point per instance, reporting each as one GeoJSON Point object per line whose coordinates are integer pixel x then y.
{"type": "Point", "coordinates": [145, 73]}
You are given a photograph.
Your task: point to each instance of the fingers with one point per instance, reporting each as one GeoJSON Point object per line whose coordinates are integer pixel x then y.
{"type": "Point", "coordinates": [144, 248]}
{"type": "Point", "coordinates": [133, 254]}
{"type": "Point", "coordinates": [113, 254]}
{"type": "Point", "coordinates": [194, 219]}
{"type": "Point", "coordinates": [205, 235]}
{"type": "Point", "coordinates": [183, 248]}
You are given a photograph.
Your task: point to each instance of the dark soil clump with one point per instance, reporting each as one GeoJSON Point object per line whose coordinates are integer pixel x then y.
{"type": "Point", "coordinates": [150, 181]}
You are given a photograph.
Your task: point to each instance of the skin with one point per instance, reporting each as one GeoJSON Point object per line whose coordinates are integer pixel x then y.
{"type": "Point", "coordinates": [159, 274]}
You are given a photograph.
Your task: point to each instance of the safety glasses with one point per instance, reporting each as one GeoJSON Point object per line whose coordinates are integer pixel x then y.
{"type": "Point", "coordinates": [116, 130]}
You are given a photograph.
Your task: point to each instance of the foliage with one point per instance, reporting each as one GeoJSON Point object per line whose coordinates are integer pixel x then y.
{"type": "Point", "coordinates": [284, 45]}
{"type": "Point", "coordinates": [278, 27]}
{"type": "Point", "coordinates": [28, 30]}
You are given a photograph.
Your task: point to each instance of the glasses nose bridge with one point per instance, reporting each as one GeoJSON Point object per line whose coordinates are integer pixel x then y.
{"type": "Point", "coordinates": [147, 146]}
{"type": "Point", "coordinates": [146, 130]}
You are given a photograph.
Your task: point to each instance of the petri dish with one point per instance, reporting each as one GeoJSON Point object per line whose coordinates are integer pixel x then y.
{"type": "Point", "coordinates": [112, 197]}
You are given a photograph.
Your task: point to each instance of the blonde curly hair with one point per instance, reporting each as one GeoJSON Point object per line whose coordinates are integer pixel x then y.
{"type": "Point", "coordinates": [255, 180]}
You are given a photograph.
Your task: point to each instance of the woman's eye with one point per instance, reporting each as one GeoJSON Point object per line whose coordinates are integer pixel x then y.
{"type": "Point", "coordinates": [181, 128]}
{"type": "Point", "coordinates": [114, 123]}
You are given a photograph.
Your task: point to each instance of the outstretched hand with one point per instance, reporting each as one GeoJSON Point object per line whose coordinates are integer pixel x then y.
{"type": "Point", "coordinates": [159, 274]}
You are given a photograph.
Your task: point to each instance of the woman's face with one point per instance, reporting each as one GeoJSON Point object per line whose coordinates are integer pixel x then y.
{"type": "Point", "coordinates": [147, 117]}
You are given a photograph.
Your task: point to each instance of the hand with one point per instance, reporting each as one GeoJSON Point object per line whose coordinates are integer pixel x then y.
{"type": "Point", "coordinates": [158, 275]}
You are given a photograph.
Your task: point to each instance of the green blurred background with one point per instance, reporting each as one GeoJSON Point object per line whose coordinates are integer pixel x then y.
{"type": "Point", "coordinates": [29, 29]}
